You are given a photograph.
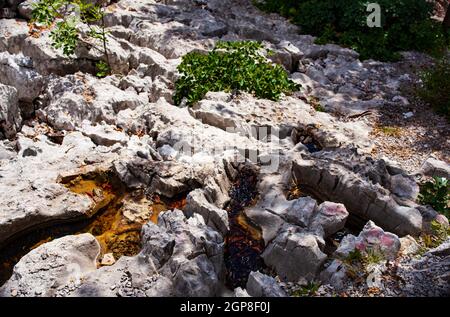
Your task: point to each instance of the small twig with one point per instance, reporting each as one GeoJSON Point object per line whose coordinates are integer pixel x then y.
{"type": "Point", "coordinates": [358, 115]}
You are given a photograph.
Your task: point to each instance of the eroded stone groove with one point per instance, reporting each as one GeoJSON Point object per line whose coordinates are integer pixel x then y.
{"type": "Point", "coordinates": [369, 189]}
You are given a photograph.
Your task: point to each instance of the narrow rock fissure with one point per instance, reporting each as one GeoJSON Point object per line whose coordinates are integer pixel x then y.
{"type": "Point", "coordinates": [243, 243]}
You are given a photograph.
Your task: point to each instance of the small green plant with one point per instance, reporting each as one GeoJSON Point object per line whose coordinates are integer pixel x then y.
{"type": "Point", "coordinates": [65, 36]}
{"type": "Point", "coordinates": [436, 193]}
{"type": "Point", "coordinates": [436, 87]}
{"type": "Point", "coordinates": [370, 256]}
{"type": "Point", "coordinates": [102, 69]}
{"type": "Point", "coordinates": [65, 17]}
{"type": "Point", "coordinates": [319, 108]}
{"type": "Point", "coordinates": [308, 290]}
{"type": "Point", "coordinates": [439, 233]}
{"type": "Point", "coordinates": [354, 256]}
{"type": "Point", "coordinates": [357, 262]}
{"type": "Point", "coordinates": [228, 67]}
{"type": "Point", "coordinates": [315, 103]}
{"type": "Point", "coordinates": [373, 256]}
{"type": "Point", "coordinates": [46, 11]}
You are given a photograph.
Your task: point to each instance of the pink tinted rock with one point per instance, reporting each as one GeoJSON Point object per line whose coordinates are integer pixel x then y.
{"type": "Point", "coordinates": [442, 220]}
{"type": "Point", "coordinates": [331, 217]}
{"type": "Point", "coordinates": [377, 239]}
{"type": "Point", "coordinates": [371, 238]}
{"type": "Point", "coordinates": [331, 209]}
{"type": "Point", "coordinates": [361, 246]}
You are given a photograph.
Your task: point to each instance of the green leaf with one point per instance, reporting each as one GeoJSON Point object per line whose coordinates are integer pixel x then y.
{"type": "Point", "coordinates": [436, 193]}
{"type": "Point", "coordinates": [103, 69]}
{"type": "Point", "coordinates": [65, 37]}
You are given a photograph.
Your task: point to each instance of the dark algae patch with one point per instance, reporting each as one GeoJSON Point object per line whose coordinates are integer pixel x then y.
{"type": "Point", "coordinates": [243, 243]}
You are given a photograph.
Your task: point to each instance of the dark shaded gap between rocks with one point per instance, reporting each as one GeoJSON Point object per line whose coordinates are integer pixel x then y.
{"type": "Point", "coordinates": [243, 242]}
{"type": "Point", "coordinates": [305, 136]}
{"type": "Point", "coordinates": [116, 233]}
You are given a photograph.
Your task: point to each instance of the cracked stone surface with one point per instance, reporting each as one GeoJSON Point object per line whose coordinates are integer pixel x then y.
{"type": "Point", "coordinates": [58, 120]}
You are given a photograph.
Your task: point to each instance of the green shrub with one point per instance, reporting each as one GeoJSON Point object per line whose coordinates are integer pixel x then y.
{"type": "Point", "coordinates": [436, 87]}
{"type": "Point", "coordinates": [405, 25]}
{"type": "Point", "coordinates": [231, 66]}
{"type": "Point", "coordinates": [436, 193]}
{"type": "Point", "coordinates": [46, 11]}
{"type": "Point", "coordinates": [66, 15]}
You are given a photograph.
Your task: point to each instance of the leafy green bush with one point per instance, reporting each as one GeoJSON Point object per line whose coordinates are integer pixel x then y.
{"type": "Point", "coordinates": [436, 87]}
{"type": "Point", "coordinates": [231, 66]}
{"type": "Point", "coordinates": [436, 193]}
{"type": "Point", "coordinates": [405, 24]}
{"type": "Point", "coordinates": [66, 15]}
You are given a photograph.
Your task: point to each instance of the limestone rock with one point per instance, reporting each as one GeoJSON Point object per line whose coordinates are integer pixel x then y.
{"type": "Point", "coordinates": [52, 265]}
{"type": "Point", "coordinates": [239, 292]}
{"type": "Point", "coordinates": [197, 260]}
{"type": "Point", "coordinates": [102, 134]}
{"type": "Point", "coordinates": [127, 122]}
{"type": "Point", "coordinates": [77, 98]}
{"type": "Point", "coordinates": [364, 190]}
{"type": "Point", "coordinates": [108, 259]}
{"type": "Point", "coordinates": [18, 71]}
{"type": "Point", "coordinates": [301, 211]}
{"type": "Point", "coordinates": [408, 245]}
{"type": "Point", "coordinates": [26, 8]}
{"type": "Point", "coordinates": [433, 167]}
{"type": "Point", "coordinates": [29, 190]}
{"type": "Point", "coordinates": [216, 218]}
{"type": "Point", "coordinates": [371, 238]}
{"type": "Point", "coordinates": [294, 255]}
{"type": "Point", "coordinates": [158, 245]}
{"type": "Point", "coordinates": [167, 152]}
{"type": "Point", "coordinates": [255, 118]}
{"type": "Point", "coordinates": [331, 217]}
{"type": "Point", "coordinates": [335, 275]}
{"type": "Point", "coordinates": [261, 285]}
{"type": "Point", "coordinates": [404, 187]}
{"type": "Point", "coordinates": [7, 150]}
{"type": "Point", "coordinates": [10, 118]}
{"type": "Point", "coordinates": [196, 278]}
